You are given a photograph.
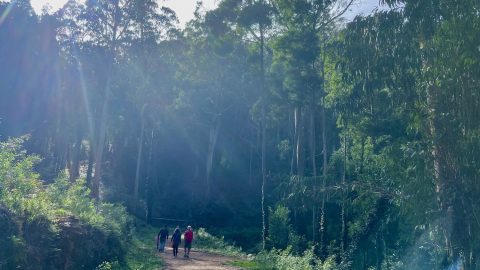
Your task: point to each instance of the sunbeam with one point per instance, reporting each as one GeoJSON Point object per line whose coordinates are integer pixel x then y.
{"type": "Point", "coordinates": [5, 13]}
{"type": "Point", "coordinates": [83, 87]}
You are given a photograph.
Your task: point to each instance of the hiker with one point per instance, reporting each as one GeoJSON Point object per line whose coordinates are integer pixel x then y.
{"type": "Point", "coordinates": [176, 239]}
{"type": "Point", "coordinates": [162, 238]}
{"type": "Point", "coordinates": [188, 237]}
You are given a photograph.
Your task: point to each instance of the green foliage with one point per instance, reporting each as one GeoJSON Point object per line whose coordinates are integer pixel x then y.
{"type": "Point", "coordinates": [284, 149]}
{"type": "Point", "coordinates": [251, 265]}
{"type": "Point", "coordinates": [62, 225]}
{"type": "Point", "coordinates": [18, 181]}
{"type": "Point", "coordinates": [141, 251]}
{"type": "Point", "coordinates": [108, 266]}
{"type": "Point", "coordinates": [391, 100]}
{"type": "Point", "coordinates": [279, 227]}
{"type": "Point", "coordinates": [281, 233]}
{"type": "Point", "coordinates": [285, 260]}
{"type": "Point", "coordinates": [206, 241]}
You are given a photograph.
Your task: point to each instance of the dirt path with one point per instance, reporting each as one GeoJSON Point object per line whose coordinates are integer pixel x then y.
{"type": "Point", "coordinates": [197, 261]}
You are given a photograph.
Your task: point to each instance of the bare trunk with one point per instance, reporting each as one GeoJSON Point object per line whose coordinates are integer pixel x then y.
{"type": "Point", "coordinates": [324, 153]}
{"type": "Point", "coordinates": [264, 134]}
{"type": "Point", "coordinates": [139, 158]}
{"type": "Point", "coordinates": [148, 182]}
{"type": "Point", "coordinates": [91, 158]}
{"type": "Point", "coordinates": [250, 166]}
{"type": "Point", "coordinates": [264, 179]}
{"type": "Point", "coordinates": [344, 192]}
{"type": "Point", "coordinates": [100, 143]}
{"type": "Point", "coordinates": [362, 155]}
{"type": "Point", "coordinates": [75, 165]}
{"type": "Point", "coordinates": [101, 130]}
{"type": "Point", "coordinates": [294, 142]}
{"type": "Point", "coordinates": [252, 147]}
{"type": "Point", "coordinates": [95, 186]}
{"type": "Point", "coordinates": [313, 154]}
{"type": "Point", "coordinates": [385, 253]}
{"type": "Point", "coordinates": [299, 144]}
{"type": "Point", "coordinates": [379, 252]}
{"type": "Point", "coordinates": [446, 191]}
{"type": "Point", "coordinates": [212, 142]}
{"type": "Point", "coordinates": [324, 180]}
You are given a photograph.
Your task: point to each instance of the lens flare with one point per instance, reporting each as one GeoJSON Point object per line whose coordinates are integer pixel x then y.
{"type": "Point", "coordinates": [5, 13]}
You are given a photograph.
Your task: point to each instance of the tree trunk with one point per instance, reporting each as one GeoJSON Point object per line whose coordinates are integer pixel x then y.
{"type": "Point", "coordinates": [212, 142]}
{"type": "Point", "coordinates": [313, 154]}
{"type": "Point", "coordinates": [250, 166]}
{"type": "Point", "coordinates": [252, 147]}
{"type": "Point", "coordinates": [100, 143]}
{"type": "Point", "coordinates": [101, 130]}
{"type": "Point", "coordinates": [139, 159]}
{"type": "Point", "coordinates": [379, 251]}
{"type": "Point", "coordinates": [148, 184]}
{"type": "Point", "coordinates": [446, 193]}
{"type": "Point", "coordinates": [344, 193]}
{"type": "Point", "coordinates": [264, 134]}
{"type": "Point", "coordinates": [385, 252]}
{"type": "Point", "coordinates": [299, 145]}
{"type": "Point", "coordinates": [75, 165]}
{"type": "Point", "coordinates": [324, 153]}
{"type": "Point", "coordinates": [294, 142]}
{"type": "Point", "coordinates": [324, 181]}
{"type": "Point", "coordinates": [91, 158]}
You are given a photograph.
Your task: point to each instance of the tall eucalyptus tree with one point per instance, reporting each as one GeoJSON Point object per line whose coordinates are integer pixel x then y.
{"type": "Point", "coordinates": [253, 18]}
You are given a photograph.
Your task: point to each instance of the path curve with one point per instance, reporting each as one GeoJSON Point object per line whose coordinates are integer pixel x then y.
{"type": "Point", "coordinates": [198, 260]}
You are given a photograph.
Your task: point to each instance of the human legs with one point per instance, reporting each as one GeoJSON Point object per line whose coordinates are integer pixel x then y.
{"type": "Point", "coordinates": [187, 247]}
{"type": "Point", "coordinates": [162, 246]}
{"type": "Point", "coordinates": [175, 250]}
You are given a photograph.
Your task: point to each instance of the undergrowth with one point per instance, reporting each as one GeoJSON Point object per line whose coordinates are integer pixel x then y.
{"type": "Point", "coordinates": [142, 254]}
{"type": "Point", "coordinates": [63, 228]}
{"type": "Point", "coordinates": [266, 260]}
{"type": "Point", "coordinates": [204, 241]}
{"type": "Point", "coordinates": [54, 226]}
{"type": "Point", "coordinates": [286, 260]}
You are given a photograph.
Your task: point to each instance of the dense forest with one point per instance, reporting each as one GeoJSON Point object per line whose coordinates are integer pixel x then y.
{"type": "Point", "coordinates": [273, 123]}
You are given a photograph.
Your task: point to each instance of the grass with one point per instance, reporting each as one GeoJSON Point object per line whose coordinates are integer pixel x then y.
{"type": "Point", "coordinates": [204, 241]}
{"type": "Point", "coordinates": [207, 242]}
{"type": "Point", "coordinates": [142, 253]}
{"type": "Point", "coordinates": [249, 265]}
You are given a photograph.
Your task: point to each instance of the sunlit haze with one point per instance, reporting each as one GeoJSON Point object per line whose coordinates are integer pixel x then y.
{"type": "Point", "coordinates": [308, 134]}
{"type": "Point", "coordinates": [185, 8]}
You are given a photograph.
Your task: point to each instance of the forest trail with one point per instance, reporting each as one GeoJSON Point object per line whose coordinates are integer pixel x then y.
{"type": "Point", "coordinates": [198, 260]}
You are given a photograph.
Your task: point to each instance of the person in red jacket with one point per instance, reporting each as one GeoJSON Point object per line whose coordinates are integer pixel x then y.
{"type": "Point", "coordinates": [188, 237]}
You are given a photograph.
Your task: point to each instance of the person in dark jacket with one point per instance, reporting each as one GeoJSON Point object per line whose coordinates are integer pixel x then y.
{"type": "Point", "coordinates": [176, 239]}
{"type": "Point", "coordinates": [162, 238]}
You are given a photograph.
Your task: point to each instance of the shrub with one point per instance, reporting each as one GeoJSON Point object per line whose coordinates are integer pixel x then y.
{"type": "Point", "coordinates": [285, 260]}
{"type": "Point", "coordinates": [279, 227]}
{"type": "Point", "coordinates": [281, 234]}
{"type": "Point", "coordinates": [208, 242]}
{"type": "Point", "coordinates": [12, 247]}
{"type": "Point", "coordinates": [57, 226]}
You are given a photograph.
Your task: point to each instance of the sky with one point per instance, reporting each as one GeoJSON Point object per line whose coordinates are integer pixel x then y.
{"type": "Point", "coordinates": [185, 8]}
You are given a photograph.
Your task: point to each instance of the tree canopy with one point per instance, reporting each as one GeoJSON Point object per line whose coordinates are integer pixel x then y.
{"type": "Point", "coordinates": [272, 122]}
